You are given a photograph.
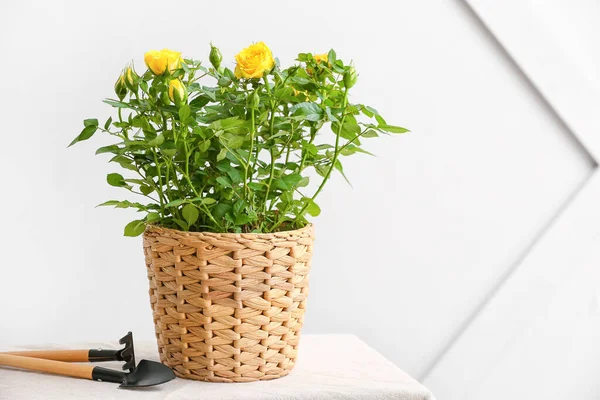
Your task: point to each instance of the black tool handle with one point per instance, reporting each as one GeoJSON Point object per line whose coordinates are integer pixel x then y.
{"type": "Point", "coordinates": [107, 375]}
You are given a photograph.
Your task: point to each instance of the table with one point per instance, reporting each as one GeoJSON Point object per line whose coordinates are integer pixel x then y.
{"type": "Point", "coordinates": [329, 367]}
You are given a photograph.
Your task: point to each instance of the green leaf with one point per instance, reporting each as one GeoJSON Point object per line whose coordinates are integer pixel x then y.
{"type": "Point", "coordinates": [330, 116]}
{"type": "Point", "coordinates": [350, 129]}
{"type": "Point", "coordinates": [200, 131]}
{"type": "Point", "coordinates": [113, 148]}
{"type": "Point", "coordinates": [351, 149]}
{"type": "Point", "coordinates": [117, 180]}
{"type": "Point", "coordinates": [205, 200]}
{"type": "Point", "coordinates": [86, 133]}
{"type": "Point", "coordinates": [224, 165]}
{"type": "Point", "coordinates": [204, 146]}
{"type": "Point", "coordinates": [242, 219]}
{"type": "Point", "coordinates": [380, 120]}
{"type": "Point", "coordinates": [392, 128]}
{"type": "Point", "coordinates": [222, 154]}
{"type": "Point", "coordinates": [286, 94]}
{"type": "Point", "coordinates": [220, 210]}
{"type": "Point", "coordinates": [225, 181]}
{"type": "Point", "coordinates": [311, 207]}
{"type": "Point", "coordinates": [331, 57]}
{"type": "Point", "coordinates": [123, 204]}
{"type": "Point", "coordinates": [287, 182]}
{"type": "Point", "coordinates": [311, 111]}
{"type": "Point", "coordinates": [109, 203]}
{"type": "Point", "coordinates": [239, 206]}
{"type": "Point", "coordinates": [136, 181]}
{"type": "Point", "coordinates": [303, 182]}
{"type": "Point", "coordinates": [224, 81]}
{"type": "Point", "coordinates": [123, 162]}
{"type": "Point", "coordinates": [90, 122]}
{"type": "Point", "coordinates": [370, 133]}
{"type": "Point", "coordinates": [209, 92]}
{"type": "Point", "coordinates": [182, 224]}
{"type": "Point", "coordinates": [184, 113]}
{"type": "Point", "coordinates": [107, 123]}
{"type": "Point", "coordinates": [168, 148]}
{"type": "Point", "coordinates": [321, 170]}
{"type": "Point", "coordinates": [139, 121]}
{"type": "Point", "coordinates": [236, 142]}
{"type": "Point", "coordinates": [175, 203]}
{"type": "Point", "coordinates": [157, 141]}
{"type": "Point", "coordinates": [146, 189]}
{"type": "Point", "coordinates": [256, 186]}
{"type": "Point", "coordinates": [310, 148]}
{"type": "Point", "coordinates": [199, 101]}
{"type": "Point", "coordinates": [226, 123]}
{"type": "Point", "coordinates": [135, 228]}
{"type": "Point", "coordinates": [338, 166]}
{"type": "Point", "coordinates": [235, 175]}
{"type": "Point", "coordinates": [190, 213]}
{"type": "Point", "coordinates": [117, 104]}
{"type": "Point", "coordinates": [152, 217]}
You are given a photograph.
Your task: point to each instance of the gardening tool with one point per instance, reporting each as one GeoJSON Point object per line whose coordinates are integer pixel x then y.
{"type": "Point", "coordinates": [126, 354]}
{"type": "Point", "coordinates": [146, 373]}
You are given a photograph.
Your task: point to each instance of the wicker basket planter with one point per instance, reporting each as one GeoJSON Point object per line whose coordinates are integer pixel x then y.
{"type": "Point", "coordinates": [228, 307]}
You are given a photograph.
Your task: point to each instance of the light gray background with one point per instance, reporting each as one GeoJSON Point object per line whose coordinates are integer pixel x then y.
{"type": "Point", "coordinates": [403, 259]}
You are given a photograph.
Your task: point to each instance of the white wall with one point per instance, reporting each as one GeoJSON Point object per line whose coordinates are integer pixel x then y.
{"type": "Point", "coordinates": [403, 258]}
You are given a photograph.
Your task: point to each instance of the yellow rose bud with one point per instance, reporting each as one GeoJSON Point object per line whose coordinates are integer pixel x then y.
{"type": "Point", "coordinates": [177, 92]}
{"type": "Point", "coordinates": [120, 88]}
{"type": "Point", "coordinates": [321, 57]}
{"type": "Point", "coordinates": [163, 60]}
{"type": "Point", "coordinates": [254, 61]}
{"type": "Point", "coordinates": [131, 78]}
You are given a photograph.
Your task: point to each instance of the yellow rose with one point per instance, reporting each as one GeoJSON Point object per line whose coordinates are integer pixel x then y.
{"type": "Point", "coordinates": [160, 61]}
{"type": "Point", "coordinates": [321, 57]}
{"type": "Point", "coordinates": [177, 92]}
{"type": "Point", "coordinates": [131, 78]}
{"type": "Point", "coordinates": [254, 61]}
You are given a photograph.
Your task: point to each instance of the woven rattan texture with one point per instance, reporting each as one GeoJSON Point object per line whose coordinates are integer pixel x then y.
{"type": "Point", "coordinates": [228, 307]}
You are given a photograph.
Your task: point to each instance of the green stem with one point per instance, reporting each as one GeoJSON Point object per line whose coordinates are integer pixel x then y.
{"type": "Point", "coordinates": [149, 181]}
{"type": "Point", "coordinates": [197, 79]}
{"type": "Point", "coordinates": [186, 175]}
{"type": "Point", "coordinates": [287, 158]}
{"type": "Point", "coordinates": [160, 184]}
{"type": "Point", "coordinates": [249, 154]}
{"type": "Point", "coordinates": [335, 154]}
{"type": "Point", "coordinates": [271, 148]}
{"type": "Point", "coordinates": [142, 194]}
{"type": "Point", "coordinates": [313, 135]}
{"type": "Point", "coordinates": [289, 149]}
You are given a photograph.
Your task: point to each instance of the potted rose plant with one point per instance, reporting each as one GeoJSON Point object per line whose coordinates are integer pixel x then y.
{"type": "Point", "coordinates": [223, 159]}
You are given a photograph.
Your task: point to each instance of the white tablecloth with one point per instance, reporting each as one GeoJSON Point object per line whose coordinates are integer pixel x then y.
{"type": "Point", "coordinates": [329, 367]}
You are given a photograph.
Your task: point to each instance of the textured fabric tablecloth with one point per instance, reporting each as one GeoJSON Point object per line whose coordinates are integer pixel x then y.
{"type": "Point", "coordinates": [329, 367]}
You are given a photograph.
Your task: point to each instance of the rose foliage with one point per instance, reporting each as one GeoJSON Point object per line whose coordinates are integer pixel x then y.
{"type": "Point", "coordinates": [214, 149]}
